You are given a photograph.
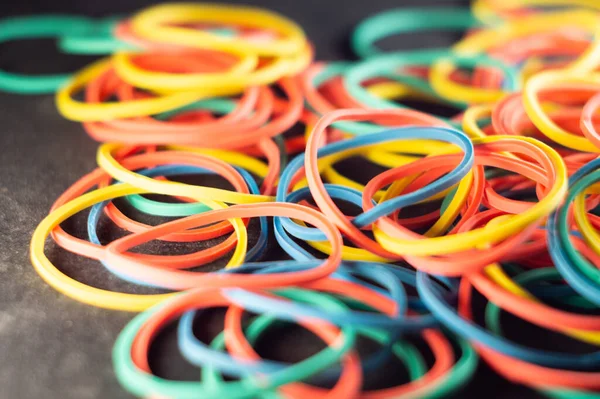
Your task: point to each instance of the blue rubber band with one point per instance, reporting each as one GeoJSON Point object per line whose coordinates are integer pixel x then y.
{"type": "Point", "coordinates": [201, 354]}
{"type": "Point", "coordinates": [168, 170]}
{"type": "Point", "coordinates": [471, 331]}
{"type": "Point", "coordinates": [385, 208]}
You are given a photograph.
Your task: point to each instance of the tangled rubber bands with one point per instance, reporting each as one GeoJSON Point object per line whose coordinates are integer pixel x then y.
{"type": "Point", "coordinates": [501, 198]}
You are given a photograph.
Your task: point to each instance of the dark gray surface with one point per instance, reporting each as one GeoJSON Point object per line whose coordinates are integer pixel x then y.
{"type": "Point", "coordinates": [52, 346]}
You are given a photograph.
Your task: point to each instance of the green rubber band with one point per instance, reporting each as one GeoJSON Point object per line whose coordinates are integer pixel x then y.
{"type": "Point", "coordinates": [447, 199]}
{"type": "Point", "coordinates": [283, 157]}
{"type": "Point", "coordinates": [407, 20]}
{"type": "Point", "coordinates": [406, 352]}
{"type": "Point", "coordinates": [140, 383]}
{"type": "Point", "coordinates": [492, 321]}
{"type": "Point", "coordinates": [334, 69]}
{"type": "Point", "coordinates": [461, 373]}
{"type": "Point", "coordinates": [158, 208]}
{"type": "Point", "coordinates": [568, 394]}
{"type": "Point", "coordinates": [582, 264]}
{"type": "Point", "coordinates": [36, 27]}
{"type": "Point", "coordinates": [387, 64]}
{"type": "Point", "coordinates": [99, 41]}
{"type": "Point", "coordinates": [104, 42]}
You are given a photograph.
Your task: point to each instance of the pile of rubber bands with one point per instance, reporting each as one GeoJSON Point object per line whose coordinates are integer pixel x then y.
{"type": "Point", "coordinates": [499, 201]}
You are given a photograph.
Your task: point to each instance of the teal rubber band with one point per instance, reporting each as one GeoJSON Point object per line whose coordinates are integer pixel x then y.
{"type": "Point", "coordinates": [406, 352]}
{"type": "Point", "coordinates": [158, 208]}
{"type": "Point", "coordinates": [407, 20]}
{"type": "Point", "coordinates": [511, 73]}
{"type": "Point", "coordinates": [461, 373]}
{"type": "Point", "coordinates": [99, 41]}
{"type": "Point", "coordinates": [492, 320]}
{"type": "Point", "coordinates": [568, 394]}
{"type": "Point", "coordinates": [35, 27]}
{"type": "Point", "coordinates": [447, 199]}
{"type": "Point", "coordinates": [387, 64]}
{"type": "Point", "coordinates": [582, 264]}
{"type": "Point", "coordinates": [217, 105]}
{"type": "Point", "coordinates": [334, 69]}
{"type": "Point", "coordinates": [102, 40]}
{"type": "Point", "coordinates": [140, 383]}
{"type": "Point", "coordinates": [283, 157]}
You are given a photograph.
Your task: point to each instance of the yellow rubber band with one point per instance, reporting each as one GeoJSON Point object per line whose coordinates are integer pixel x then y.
{"type": "Point", "coordinates": [542, 121]}
{"type": "Point", "coordinates": [496, 273]}
{"type": "Point", "coordinates": [82, 111]}
{"type": "Point", "coordinates": [471, 116]}
{"type": "Point", "coordinates": [487, 10]}
{"type": "Point", "coordinates": [110, 165]}
{"type": "Point", "coordinates": [158, 24]}
{"type": "Point", "coordinates": [251, 164]}
{"type": "Point", "coordinates": [472, 239]}
{"type": "Point", "coordinates": [233, 81]}
{"type": "Point", "coordinates": [422, 147]}
{"type": "Point", "coordinates": [95, 296]}
{"type": "Point", "coordinates": [485, 39]}
{"type": "Point", "coordinates": [589, 233]}
{"type": "Point", "coordinates": [454, 207]}
{"type": "Point", "coordinates": [439, 78]}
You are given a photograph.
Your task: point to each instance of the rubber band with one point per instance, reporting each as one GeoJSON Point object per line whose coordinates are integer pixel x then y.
{"type": "Point", "coordinates": [486, 9]}
{"type": "Point", "coordinates": [437, 372]}
{"type": "Point", "coordinates": [232, 81]}
{"type": "Point", "coordinates": [243, 162]}
{"type": "Point", "coordinates": [574, 268]}
{"type": "Point", "coordinates": [39, 27]}
{"type": "Point", "coordinates": [396, 321]}
{"type": "Point", "coordinates": [198, 353]}
{"type": "Point", "coordinates": [478, 202]}
{"type": "Point", "coordinates": [99, 178]}
{"type": "Point", "coordinates": [473, 332]}
{"type": "Point", "coordinates": [498, 275]}
{"type": "Point", "coordinates": [253, 254]}
{"type": "Point", "coordinates": [101, 40]}
{"type": "Point", "coordinates": [444, 87]}
{"type": "Point", "coordinates": [317, 74]}
{"type": "Point", "coordinates": [138, 107]}
{"type": "Point", "coordinates": [405, 20]}
{"type": "Point", "coordinates": [152, 131]}
{"type": "Point", "coordinates": [227, 132]}
{"type": "Point", "coordinates": [115, 36]}
{"type": "Point", "coordinates": [327, 206]}
{"type": "Point", "coordinates": [522, 372]}
{"type": "Point", "coordinates": [107, 162]}
{"type": "Point", "coordinates": [541, 120]}
{"type": "Point", "coordinates": [82, 292]}
{"type": "Point", "coordinates": [157, 23]}
{"type": "Point", "coordinates": [486, 39]}
{"type": "Point", "coordinates": [543, 153]}
{"type": "Point", "coordinates": [587, 123]}
{"type": "Point", "coordinates": [130, 354]}
{"type": "Point", "coordinates": [234, 176]}
{"type": "Point", "coordinates": [406, 133]}
{"type": "Point", "coordinates": [387, 65]}
{"type": "Point", "coordinates": [72, 109]}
